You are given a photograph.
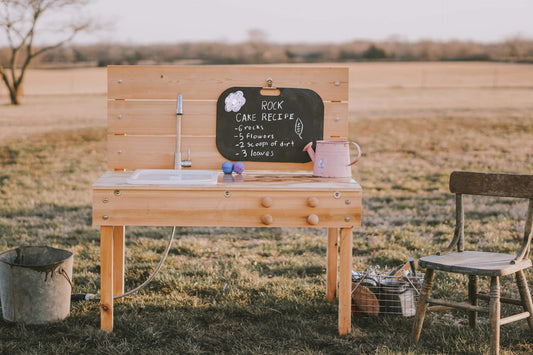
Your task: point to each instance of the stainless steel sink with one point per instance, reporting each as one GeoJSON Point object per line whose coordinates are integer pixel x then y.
{"type": "Point", "coordinates": [173, 177]}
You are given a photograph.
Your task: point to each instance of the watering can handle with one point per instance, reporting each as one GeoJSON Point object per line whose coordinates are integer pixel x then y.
{"type": "Point", "coordinates": [358, 154]}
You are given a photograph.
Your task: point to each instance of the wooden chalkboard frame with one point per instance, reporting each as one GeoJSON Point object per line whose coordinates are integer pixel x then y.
{"type": "Point", "coordinates": [252, 126]}
{"type": "Point", "coordinates": [141, 110]}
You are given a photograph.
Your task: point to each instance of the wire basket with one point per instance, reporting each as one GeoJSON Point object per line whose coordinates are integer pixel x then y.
{"type": "Point", "coordinates": [375, 293]}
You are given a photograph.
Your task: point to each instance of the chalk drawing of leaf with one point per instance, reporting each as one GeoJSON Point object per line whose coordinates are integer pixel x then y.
{"type": "Point", "coordinates": [299, 127]}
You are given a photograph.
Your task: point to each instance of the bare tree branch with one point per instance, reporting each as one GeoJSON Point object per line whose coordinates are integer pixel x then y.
{"type": "Point", "coordinates": [21, 20]}
{"type": "Point", "coordinates": [4, 76]}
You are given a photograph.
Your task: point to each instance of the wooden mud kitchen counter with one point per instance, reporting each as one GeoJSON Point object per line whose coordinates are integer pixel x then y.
{"type": "Point", "coordinates": [170, 129]}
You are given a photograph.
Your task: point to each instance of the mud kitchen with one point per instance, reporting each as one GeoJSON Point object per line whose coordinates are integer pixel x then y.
{"type": "Point", "coordinates": [263, 117]}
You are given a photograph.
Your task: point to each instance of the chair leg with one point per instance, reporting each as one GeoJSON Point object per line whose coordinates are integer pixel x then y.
{"type": "Point", "coordinates": [472, 299]}
{"type": "Point", "coordinates": [494, 315]}
{"type": "Point", "coordinates": [525, 296]}
{"type": "Point", "coordinates": [422, 304]}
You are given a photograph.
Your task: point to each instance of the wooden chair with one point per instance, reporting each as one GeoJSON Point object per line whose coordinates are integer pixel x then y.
{"type": "Point", "coordinates": [477, 263]}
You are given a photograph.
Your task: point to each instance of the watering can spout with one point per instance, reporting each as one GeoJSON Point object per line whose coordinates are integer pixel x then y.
{"type": "Point", "coordinates": [309, 149]}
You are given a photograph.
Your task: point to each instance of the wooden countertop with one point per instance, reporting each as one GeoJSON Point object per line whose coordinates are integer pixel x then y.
{"type": "Point", "coordinates": [252, 180]}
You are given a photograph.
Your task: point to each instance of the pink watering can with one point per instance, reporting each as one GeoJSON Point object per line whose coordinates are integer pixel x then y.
{"type": "Point", "coordinates": [332, 158]}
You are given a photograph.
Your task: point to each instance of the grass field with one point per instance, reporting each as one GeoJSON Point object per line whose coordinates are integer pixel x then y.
{"type": "Point", "coordinates": [237, 290]}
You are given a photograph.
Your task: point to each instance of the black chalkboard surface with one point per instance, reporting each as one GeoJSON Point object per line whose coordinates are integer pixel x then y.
{"type": "Point", "coordinates": [256, 127]}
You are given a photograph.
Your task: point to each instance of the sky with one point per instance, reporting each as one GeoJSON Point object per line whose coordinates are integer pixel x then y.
{"type": "Point", "coordinates": [308, 21]}
{"type": "Point", "coordinates": [293, 21]}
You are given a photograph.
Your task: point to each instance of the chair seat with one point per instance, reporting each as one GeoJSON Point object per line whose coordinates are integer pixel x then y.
{"type": "Point", "coordinates": [475, 262]}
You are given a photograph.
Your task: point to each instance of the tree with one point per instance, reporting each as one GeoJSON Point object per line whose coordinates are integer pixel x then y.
{"type": "Point", "coordinates": [374, 52]}
{"type": "Point", "coordinates": [22, 20]}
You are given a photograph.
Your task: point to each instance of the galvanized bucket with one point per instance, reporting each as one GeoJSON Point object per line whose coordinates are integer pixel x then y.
{"type": "Point", "coordinates": [35, 284]}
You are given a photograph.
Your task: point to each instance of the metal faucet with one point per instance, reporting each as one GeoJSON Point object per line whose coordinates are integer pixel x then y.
{"type": "Point", "coordinates": [178, 163]}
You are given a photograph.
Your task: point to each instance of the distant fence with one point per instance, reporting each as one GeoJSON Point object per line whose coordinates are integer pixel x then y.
{"type": "Point", "coordinates": [362, 75]}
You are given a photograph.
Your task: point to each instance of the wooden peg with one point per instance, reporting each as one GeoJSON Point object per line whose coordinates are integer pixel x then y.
{"type": "Point", "coordinates": [267, 219]}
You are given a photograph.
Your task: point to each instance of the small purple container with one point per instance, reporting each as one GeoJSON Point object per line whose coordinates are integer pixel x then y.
{"type": "Point", "coordinates": [238, 167]}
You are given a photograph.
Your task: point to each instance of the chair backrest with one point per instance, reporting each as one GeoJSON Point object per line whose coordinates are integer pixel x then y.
{"type": "Point", "coordinates": [142, 110]}
{"type": "Point", "coordinates": [490, 184]}
{"type": "Point", "coordinates": [503, 185]}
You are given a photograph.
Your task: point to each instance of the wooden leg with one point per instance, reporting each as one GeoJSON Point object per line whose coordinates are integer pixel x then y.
{"type": "Point", "coordinates": [106, 275]}
{"type": "Point", "coordinates": [345, 282]}
{"type": "Point", "coordinates": [422, 304]}
{"type": "Point", "coordinates": [118, 259]}
{"type": "Point", "coordinates": [494, 315]}
{"type": "Point", "coordinates": [331, 270]}
{"type": "Point", "coordinates": [472, 299]}
{"type": "Point", "coordinates": [525, 296]}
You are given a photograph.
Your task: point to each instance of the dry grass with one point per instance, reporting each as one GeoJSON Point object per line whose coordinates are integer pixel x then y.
{"type": "Point", "coordinates": [86, 81]}
{"type": "Point", "coordinates": [262, 290]}
{"type": "Point", "coordinates": [53, 113]}
{"type": "Point", "coordinates": [438, 74]}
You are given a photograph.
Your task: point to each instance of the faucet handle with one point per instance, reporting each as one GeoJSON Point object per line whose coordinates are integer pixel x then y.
{"type": "Point", "coordinates": [179, 108]}
{"type": "Point", "coordinates": [187, 163]}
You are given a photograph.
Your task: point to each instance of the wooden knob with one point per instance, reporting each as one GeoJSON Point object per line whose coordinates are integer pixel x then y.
{"type": "Point", "coordinates": [312, 202]}
{"type": "Point", "coordinates": [267, 219]}
{"type": "Point", "coordinates": [312, 219]}
{"type": "Point", "coordinates": [266, 202]}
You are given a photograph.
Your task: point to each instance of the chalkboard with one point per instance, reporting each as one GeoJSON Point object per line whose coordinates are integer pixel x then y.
{"type": "Point", "coordinates": [255, 127]}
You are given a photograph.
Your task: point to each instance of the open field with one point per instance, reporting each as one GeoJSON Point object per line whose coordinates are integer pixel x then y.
{"type": "Point", "coordinates": [377, 89]}
{"type": "Point", "coordinates": [263, 290]}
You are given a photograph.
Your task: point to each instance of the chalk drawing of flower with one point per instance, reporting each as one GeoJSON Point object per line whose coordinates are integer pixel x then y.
{"type": "Point", "coordinates": [235, 101]}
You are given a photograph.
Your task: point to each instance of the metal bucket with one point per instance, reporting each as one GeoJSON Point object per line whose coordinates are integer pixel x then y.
{"type": "Point", "coordinates": [35, 284]}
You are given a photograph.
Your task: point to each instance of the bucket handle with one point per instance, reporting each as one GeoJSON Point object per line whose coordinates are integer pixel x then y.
{"type": "Point", "coordinates": [64, 273]}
